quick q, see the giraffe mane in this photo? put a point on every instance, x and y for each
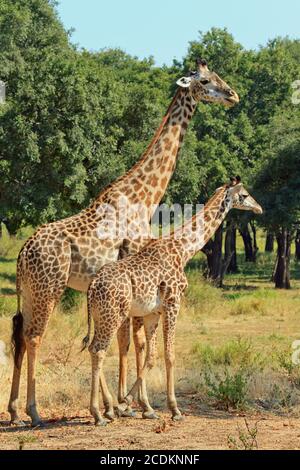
(207, 207)
(212, 200)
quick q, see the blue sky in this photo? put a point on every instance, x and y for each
(163, 28)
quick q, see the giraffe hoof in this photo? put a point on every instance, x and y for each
(17, 422)
(150, 415)
(100, 422)
(178, 418)
(109, 415)
(128, 413)
(120, 409)
(38, 424)
(124, 411)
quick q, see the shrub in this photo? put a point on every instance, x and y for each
(282, 396)
(228, 390)
(246, 440)
(70, 300)
(292, 370)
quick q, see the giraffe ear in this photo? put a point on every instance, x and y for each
(236, 188)
(184, 82)
(219, 189)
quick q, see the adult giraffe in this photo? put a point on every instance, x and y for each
(69, 252)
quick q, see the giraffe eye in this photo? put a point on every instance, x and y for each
(204, 82)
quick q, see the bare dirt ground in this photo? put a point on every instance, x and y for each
(202, 429)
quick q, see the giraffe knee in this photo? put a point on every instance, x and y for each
(123, 335)
(139, 339)
(98, 349)
(124, 344)
(32, 341)
(170, 359)
(151, 362)
(94, 348)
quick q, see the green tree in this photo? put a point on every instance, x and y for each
(278, 182)
(74, 120)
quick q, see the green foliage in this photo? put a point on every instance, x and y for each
(292, 370)
(75, 120)
(68, 117)
(246, 439)
(71, 300)
(275, 68)
(228, 390)
(234, 353)
(225, 137)
(228, 370)
(278, 179)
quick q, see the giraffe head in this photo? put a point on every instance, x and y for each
(205, 85)
(237, 197)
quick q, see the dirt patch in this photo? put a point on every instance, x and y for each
(205, 429)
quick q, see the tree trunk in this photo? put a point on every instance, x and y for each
(231, 233)
(213, 252)
(248, 243)
(229, 251)
(282, 272)
(274, 270)
(298, 245)
(255, 246)
(269, 248)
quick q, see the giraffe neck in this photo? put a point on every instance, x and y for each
(146, 182)
(194, 235)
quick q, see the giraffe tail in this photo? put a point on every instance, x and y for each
(17, 321)
(86, 340)
(17, 337)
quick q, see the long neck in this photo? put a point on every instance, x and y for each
(147, 181)
(194, 235)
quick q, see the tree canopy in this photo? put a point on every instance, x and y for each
(75, 120)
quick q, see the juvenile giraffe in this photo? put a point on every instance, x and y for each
(150, 284)
(69, 252)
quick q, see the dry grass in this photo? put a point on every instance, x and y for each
(247, 326)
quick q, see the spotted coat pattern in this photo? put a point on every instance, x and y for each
(69, 252)
(150, 284)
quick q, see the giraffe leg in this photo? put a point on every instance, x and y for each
(34, 329)
(32, 346)
(150, 324)
(43, 275)
(169, 325)
(14, 394)
(97, 360)
(98, 349)
(107, 399)
(140, 343)
(124, 342)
